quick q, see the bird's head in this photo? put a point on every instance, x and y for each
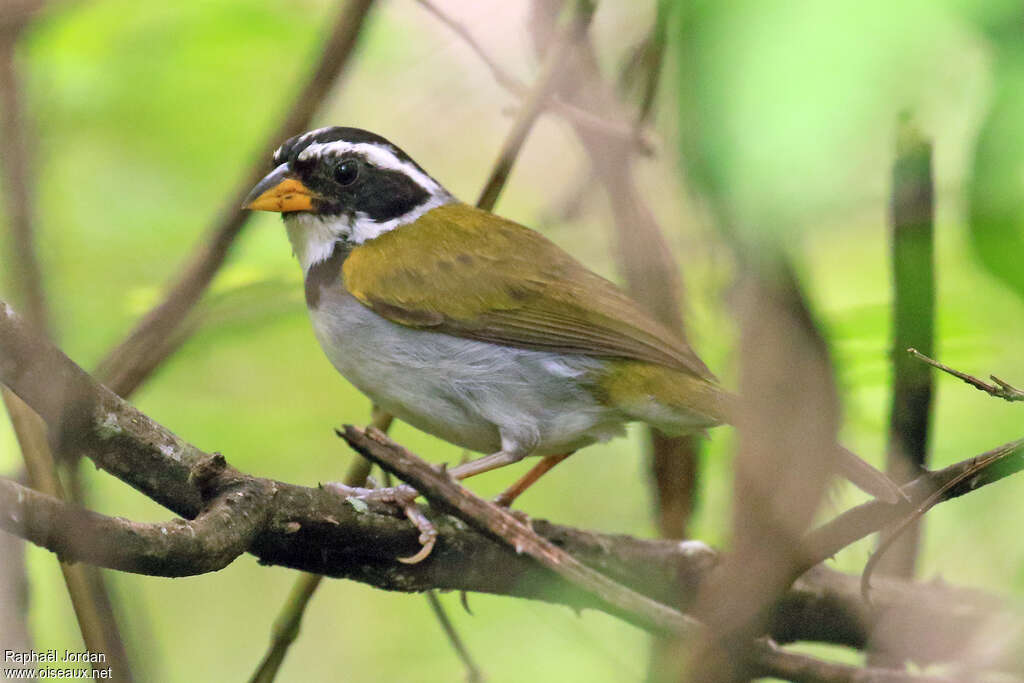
(343, 185)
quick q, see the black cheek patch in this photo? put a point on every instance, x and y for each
(383, 195)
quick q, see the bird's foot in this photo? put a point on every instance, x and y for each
(404, 498)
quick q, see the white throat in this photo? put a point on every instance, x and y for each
(313, 237)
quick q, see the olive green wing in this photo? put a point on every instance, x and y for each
(468, 273)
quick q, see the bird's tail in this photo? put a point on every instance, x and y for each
(679, 403)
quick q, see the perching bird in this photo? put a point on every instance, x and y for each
(474, 328)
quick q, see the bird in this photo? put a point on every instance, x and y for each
(474, 328)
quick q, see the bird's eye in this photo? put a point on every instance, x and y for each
(346, 172)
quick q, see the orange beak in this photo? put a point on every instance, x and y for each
(280, 191)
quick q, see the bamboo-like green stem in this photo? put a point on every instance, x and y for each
(912, 209)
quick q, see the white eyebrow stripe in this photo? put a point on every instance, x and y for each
(302, 138)
(378, 156)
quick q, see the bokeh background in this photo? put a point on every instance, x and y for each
(143, 116)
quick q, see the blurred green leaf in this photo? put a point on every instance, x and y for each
(784, 103)
(996, 191)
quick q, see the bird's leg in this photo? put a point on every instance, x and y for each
(404, 494)
(517, 489)
(485, 464)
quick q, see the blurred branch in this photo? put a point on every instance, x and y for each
(315, 530)
(912, 216)
(134, 359)
(24, 271)
(14, 596)
(645, 64)
(643, 256)
(787, 423)
(953, 481)
(569, 36)
(86, 587)
(15, 14)
(767, 659)
(1000, 389)
(24, 279)
(570, 112)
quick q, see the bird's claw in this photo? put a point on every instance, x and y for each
(402, 497)
(428, 533)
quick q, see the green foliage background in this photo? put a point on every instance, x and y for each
(144, 115)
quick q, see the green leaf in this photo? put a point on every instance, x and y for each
(996, 191)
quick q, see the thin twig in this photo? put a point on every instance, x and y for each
(24, 271)
(126, 366)
(473, 672)
(894, 533)
(1001, 389)
(554, 66)
(516, 87)
(286, 626)
(966, 476)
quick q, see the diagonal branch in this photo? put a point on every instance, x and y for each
(954, 481)
(499, 522)
(577, 115)
(568, 37)
(131, 362)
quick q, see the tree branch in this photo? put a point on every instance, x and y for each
(499, 522)
(953, 481)
(316, 531)
(226, 528)
(823, 606)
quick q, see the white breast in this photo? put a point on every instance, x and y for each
(477, 395)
